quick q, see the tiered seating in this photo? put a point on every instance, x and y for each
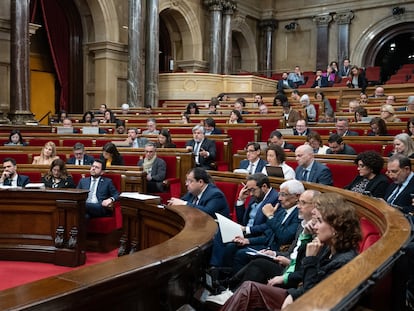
(373, 75)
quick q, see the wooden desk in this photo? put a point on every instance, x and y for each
(30, 220)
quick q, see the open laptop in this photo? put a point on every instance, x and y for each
(275, 171)
(64, 130)
(90, 130)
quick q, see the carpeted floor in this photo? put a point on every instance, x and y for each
(15, 273)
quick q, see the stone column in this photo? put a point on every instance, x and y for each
(152, 53)
(215, 7)
(19, 63)
(135, 83)
(228, 10)
(343, 20)
(268, 26)
(322, 40)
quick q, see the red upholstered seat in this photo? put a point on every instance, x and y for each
(342, 174)
(21, 158)
(240, 138)
(104, 231)
(230, 191)
(172, 182)
(370, 234)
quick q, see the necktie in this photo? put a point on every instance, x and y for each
(197, 148)
(394, 195)
(79, 162)
(92, 191)
(195, 200)
(251, 170)
(305, 175)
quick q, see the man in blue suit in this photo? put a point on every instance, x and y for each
(282, 223)
(203, 194)
(102, 192)
(252, 219)
(399, 192)
(9, 177)
(79, 156)
(253, 164)
(310, 170)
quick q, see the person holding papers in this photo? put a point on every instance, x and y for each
(285, 268)
(282, 224)
(203, 194)
(251, 219)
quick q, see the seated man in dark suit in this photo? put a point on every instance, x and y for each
(399, 192)
(204, 149)
(310, 170)
(301, 128)
(276, 138)
(102, 192)
(210, 127)
(155, 168)
(253, 221)
(80, 157)
(342, 128)
(253, 163)
(338, 146)
(203, 194)
(284, 83)
(9, 177)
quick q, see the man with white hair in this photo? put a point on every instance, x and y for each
(125, 108)
(204, 149)
(309, 170)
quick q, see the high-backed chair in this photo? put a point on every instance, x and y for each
(103, 233)
(172, 182)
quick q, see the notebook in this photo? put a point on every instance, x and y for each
(275, 171)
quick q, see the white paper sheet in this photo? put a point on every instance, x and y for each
(229, 229)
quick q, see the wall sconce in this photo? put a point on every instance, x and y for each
(398, 11)
(291, 26)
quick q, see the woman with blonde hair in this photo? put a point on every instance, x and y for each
(47, 155)
(387, 113)
(403, 144)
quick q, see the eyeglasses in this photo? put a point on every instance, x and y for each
(284, 194)
(252, 189)
(250, 150)
(149, 151)
(302, 202)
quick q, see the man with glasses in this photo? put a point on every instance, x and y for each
(204, 149)
(399, 192)
(155, 168)
(342, 128)
(253, 164)
(202, 194)
(252, 219)
(301, 128)
(282, 224)
(79, 156)
(285, 270)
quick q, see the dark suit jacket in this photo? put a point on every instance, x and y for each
(259, 224)
(208, 145)
(324, 82)
(63, 183)
(22, 181)
(158, 172)
(87, 160)
(281, 86)
(404, 198)
(119, 161)
(307, 132)
(344, 72)
(376, 186)
(244, 164)
(278, 233)
(212, 201)
(289, 146)
(216, 131)
(319, 174)
(105, 188)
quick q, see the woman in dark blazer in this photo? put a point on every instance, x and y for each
(111, 156)
(58, 176)
(370, 180)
